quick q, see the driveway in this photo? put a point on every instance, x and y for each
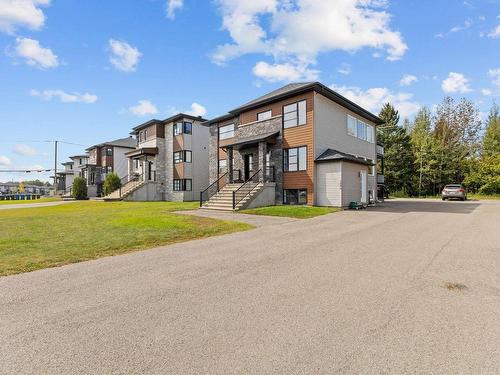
(356, 292)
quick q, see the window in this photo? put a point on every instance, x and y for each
(183, 128)
(81, 161)
(295, 196)
(145, 135)
(109, 151)
(295, 159)
(183, 185)
(264, 115)
(370, 134)
(226, 132)
(136, 163)
(361, 130)
(351, 125)
(222, 166)
(109, 169)
(178, 128)
(294, 114)
(183, 156)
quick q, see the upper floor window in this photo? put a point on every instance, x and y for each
(359, 129)
(109, 151)
(183, 128)
(264, 115)
(145, 134)
(184, 156)
(226, 132)
(295, 159)
(294, 114)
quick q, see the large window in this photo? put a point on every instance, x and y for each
(109, 151)
(264, 115)
(183, 184)
(295, 159)
(183, 128)
(226, 132)
(184, 156)
(294, 114)
(359, 129)
(295, 196)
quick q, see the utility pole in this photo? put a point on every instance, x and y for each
(55, 166)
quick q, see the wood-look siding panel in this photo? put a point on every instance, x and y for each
(178, 143)
(222, 154)
(179, 171)
(298, 136)
(277, 108)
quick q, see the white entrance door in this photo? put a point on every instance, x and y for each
(364, 184)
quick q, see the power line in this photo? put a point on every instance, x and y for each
(25, 170)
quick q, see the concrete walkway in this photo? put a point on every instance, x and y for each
(32, 205)
(411, 287)
(255, 220)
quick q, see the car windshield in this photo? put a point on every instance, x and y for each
(453, 186)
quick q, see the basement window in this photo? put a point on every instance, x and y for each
(295, 196)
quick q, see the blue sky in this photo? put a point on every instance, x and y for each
(88, 71)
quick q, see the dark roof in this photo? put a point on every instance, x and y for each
(227, 116)
(293, 89)
(251, 140)
(334, 155)
(128, 142)
(142, 151)
(67, 163)
(167, 120)
(79, 156)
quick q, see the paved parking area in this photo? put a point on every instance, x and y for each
(408, 287)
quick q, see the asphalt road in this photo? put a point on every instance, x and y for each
(357, 292)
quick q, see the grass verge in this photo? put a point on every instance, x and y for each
(41, 200)
(42, 237)
(298, 212)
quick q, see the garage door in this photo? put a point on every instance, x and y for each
(328, 178)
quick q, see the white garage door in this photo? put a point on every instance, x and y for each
(328, 179)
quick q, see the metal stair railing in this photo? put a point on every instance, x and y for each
(245, 189)
(212, 189)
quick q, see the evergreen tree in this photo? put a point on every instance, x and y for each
(398, 156)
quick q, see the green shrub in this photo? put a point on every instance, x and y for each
(111, 183)
(79, 190)
(491, 187)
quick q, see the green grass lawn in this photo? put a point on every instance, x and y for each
(41, 200)
(298, 212)
(35, 238)
(483, 197)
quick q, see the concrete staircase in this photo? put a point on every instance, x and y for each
(223, 200)
(126, 189)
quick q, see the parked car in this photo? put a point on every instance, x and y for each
(454, 191)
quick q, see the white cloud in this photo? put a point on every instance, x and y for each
(173, 6)
(4, 161)
(486, 92)
(495, 33)
(455, 29)
(21, 13)
(284, 29)
(35, 54)
(197, 110)
(407, 80)
(495, 76)
(65, 97)
(124, 57)
(25, 150)
(456, 82)
(284, 72)
(144, 107)
(374, 98)
(344, 69)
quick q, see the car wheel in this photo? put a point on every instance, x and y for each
(443, 198)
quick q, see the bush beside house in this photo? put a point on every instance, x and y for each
(111, 183)
(79, 190)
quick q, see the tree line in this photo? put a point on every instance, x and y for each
(449, 144)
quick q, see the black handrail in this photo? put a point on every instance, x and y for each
(241, 190)
(212, 189)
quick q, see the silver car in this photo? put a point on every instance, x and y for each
(454, 191)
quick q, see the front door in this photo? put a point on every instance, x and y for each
(364, 187)
(248, 166)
